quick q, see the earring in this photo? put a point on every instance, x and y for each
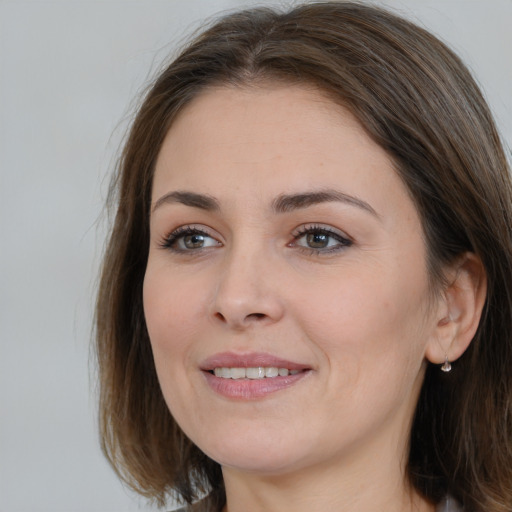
(446, 367)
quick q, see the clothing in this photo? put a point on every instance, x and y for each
(447, 505)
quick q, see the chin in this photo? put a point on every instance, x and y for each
(258, 452)
(254, 462)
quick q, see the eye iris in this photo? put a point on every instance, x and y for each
(317, 240)
(195, 241)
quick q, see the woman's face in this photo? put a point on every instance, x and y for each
(284, 243)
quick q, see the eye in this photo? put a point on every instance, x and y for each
(188, 239)
(320, 239)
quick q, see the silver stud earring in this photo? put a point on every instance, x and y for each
(446, 367)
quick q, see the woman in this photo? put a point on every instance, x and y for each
(305, 298)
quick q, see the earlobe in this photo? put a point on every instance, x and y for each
(459, 311)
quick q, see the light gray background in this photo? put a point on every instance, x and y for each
(69, 71)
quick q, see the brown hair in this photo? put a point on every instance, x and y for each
(415, 99)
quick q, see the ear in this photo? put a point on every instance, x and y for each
(459, 310)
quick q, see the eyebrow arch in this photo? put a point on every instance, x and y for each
(289, 202)
(201, 201)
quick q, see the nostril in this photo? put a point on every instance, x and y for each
(256, 316)
(220, 316)
(241, 320)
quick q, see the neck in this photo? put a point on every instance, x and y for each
(296, 494)
(363, 484)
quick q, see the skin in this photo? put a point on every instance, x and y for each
(361, 316)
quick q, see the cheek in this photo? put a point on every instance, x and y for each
(375, 351)
(171, 311)
(368, 325)
(171, 314)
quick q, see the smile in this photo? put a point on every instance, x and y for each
(254, 373)
(251, 376)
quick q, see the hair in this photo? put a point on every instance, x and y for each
(416, 99)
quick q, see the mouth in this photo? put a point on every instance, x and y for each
(251, 376)
(253, 373)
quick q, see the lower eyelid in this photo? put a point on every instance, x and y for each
(342, 241)
(172, 240)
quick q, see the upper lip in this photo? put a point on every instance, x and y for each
(249, 360)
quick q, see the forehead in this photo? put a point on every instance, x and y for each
(291, 112)
(270, 123)
(262, 141)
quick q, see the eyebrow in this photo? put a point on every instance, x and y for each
(289, 202)
(201, 201)
(284, 203)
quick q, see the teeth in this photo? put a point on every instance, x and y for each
(238, 373)
(253, 373)
(274, 372)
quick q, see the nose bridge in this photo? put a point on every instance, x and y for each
(246, 291)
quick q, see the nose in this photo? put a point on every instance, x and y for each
(247, 292)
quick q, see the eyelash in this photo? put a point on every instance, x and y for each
(170, 241)
(343, 242)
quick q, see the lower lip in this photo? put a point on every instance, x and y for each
(250, 389)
